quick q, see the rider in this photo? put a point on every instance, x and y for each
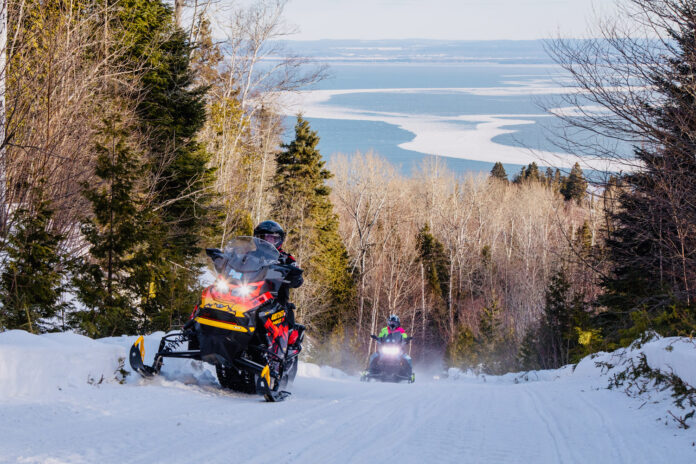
(273, 233)
(393, 326)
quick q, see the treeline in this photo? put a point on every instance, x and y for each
(465, 262)
(132, 142)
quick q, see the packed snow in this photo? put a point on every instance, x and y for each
(65, 398)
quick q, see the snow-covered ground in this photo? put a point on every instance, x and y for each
(64, 399)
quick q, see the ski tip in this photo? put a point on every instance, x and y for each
(276, 397)
(140, 344)
(266, 375)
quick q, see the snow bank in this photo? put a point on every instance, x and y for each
(187, 371)
(457, 375)
(40, 365)
(316, 371)
(32, 365)
(670, 355)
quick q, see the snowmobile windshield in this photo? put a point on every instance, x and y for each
(248, 254)
(394, 337)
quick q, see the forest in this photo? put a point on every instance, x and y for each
(134, 138)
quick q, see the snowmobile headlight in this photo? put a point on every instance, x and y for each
(222, 286)
(391, 350)
(242, 290)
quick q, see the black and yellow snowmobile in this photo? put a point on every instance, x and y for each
(238, 326)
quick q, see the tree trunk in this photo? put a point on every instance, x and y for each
(178, 7)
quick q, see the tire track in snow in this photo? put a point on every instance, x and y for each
(561, 449)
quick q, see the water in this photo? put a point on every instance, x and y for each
(430, 75)
(498, 90)
(348, 137)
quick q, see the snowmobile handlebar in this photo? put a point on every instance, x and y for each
(406, 339)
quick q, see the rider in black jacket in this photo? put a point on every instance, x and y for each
(273, 233)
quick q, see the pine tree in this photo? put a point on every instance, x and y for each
(206, 56)
(558, 179)
(530, 173)
(431, 253)
(564, 318)
(548, 178)
(32, 283)
(652, 239)
(302, 205)
(170, 111)
(489, 326)
(575, 186)
(498, 172)
(494, 343)
(112, 281)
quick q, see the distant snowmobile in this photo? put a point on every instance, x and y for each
(238, 325)
(391, 364)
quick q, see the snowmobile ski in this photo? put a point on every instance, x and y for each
(137, 356)
(167, 349)
(269, 394)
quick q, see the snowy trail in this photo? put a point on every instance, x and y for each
(337, 420)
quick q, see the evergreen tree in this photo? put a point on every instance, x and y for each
(112, 281)
(170, 111)
(498, 172)
(530, 173)
(563, 321)
(575, 186)
(31, 285)
(431, 253)
(462, 352)
(652, 283)
(548, 178)
(302, 205)
(489, 326)
(558, 179)
(493, 343)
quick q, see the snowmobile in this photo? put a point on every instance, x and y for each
(238, 326)
(391, 364)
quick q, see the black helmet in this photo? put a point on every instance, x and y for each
(271, 232)
(393, 322)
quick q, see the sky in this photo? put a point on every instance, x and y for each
(443, 19)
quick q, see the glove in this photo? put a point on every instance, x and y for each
(295, 277)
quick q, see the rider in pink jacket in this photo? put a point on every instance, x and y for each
(393, 325)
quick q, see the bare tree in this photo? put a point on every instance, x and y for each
(255, 70)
